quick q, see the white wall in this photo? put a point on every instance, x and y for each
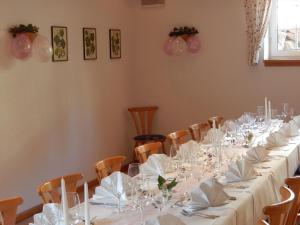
(59, 118)
(190, 88)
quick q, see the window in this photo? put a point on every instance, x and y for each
(283, 38)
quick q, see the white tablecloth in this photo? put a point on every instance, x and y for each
(246, 210)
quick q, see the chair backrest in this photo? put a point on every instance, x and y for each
(219, 121)
(278, 213)
(199, 130)
(106, 166)
(144, 151)
(143, 117)
(8, 210)
(50, 190)
(294, 185)
(178, 137)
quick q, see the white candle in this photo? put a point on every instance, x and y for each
(214, 123)
(86, 205)
(270, 111)
(64, 202)
(266, 108)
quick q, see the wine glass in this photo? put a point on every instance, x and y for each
(74, 207)
(133, 172)
(285, 112)
(133, 169)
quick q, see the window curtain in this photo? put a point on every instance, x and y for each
(257, 19)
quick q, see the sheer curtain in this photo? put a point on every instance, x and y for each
(257, 19)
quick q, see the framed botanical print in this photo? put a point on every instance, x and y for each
(115, 43)
(59, 37)
(89, 43)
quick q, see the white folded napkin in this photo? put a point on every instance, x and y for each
(240, 170)
(297, 120)
(167, 219)
(187, 150)
(276, 139)
(111, 186)
(289, 129)
(191, 145)
(213, 135)
(155, 165)
(210, 193)
(256, 154)
(229, 125)
(246, 118)
(50, 215)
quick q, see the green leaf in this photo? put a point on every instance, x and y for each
(172, 184)
(161, 182)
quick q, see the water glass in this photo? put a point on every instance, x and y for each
(285, 109)
(292, 113)
(74, 207)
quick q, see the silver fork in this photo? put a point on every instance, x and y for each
(197, 213)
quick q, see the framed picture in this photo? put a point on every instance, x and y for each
(89, 43)
(115, 43)
(59, 37)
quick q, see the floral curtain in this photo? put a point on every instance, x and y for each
(257, 19)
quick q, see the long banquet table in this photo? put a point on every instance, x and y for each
(251, 196)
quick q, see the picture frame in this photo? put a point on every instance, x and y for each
(89, 43)
(115, 43)
(59, 38)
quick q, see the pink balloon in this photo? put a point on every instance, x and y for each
(168, 47)
(193, 44)
(179, 46)
(41, 49)
(20, 46)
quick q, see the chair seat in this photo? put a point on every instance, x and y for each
(150, 137)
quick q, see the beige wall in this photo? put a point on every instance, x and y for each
(189, 88)
(58, 118)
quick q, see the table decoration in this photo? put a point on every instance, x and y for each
(240, 170)
(86, 205)
(209, 193)
(289, 129)
(155, 165)
(276, 139)
(50, 215)
(64, 203)
(297, 120)
(256, 154)
(113, 191)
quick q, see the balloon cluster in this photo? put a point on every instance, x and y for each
(25, 44)
(182, 39)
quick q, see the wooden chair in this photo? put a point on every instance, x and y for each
(219, 121)
(143, 117)
(294, 185)
(278, 213)
(8, 210)
(178, 137)
(49, 191)
(106, 166)
(199, 130)
(144, 151)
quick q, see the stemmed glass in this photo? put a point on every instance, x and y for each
(133, 172)
(74, 207)
(285, 112)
